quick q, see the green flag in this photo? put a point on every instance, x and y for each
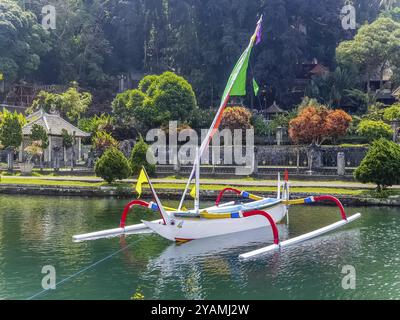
(236, 85)
(237, 79)
(255, 87)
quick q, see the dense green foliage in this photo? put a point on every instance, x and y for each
(102, 141)
(260, 126)
(139, 158)
(373, 48)
(125, 106)
(95, 41)
(112, 165)
(330, 89)
(94, 124)
(22, 41)
(381, 165)
(168, 97)
(67, 139)
(392, 113)
(10, 130)
(38, 133)
(71, 103)
(374, 130)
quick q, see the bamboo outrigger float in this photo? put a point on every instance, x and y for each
(249, 213)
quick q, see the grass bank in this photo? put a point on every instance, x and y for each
(212, 185)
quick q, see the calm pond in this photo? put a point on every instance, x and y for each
(37, 231)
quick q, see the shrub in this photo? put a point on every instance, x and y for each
(201, 118)
(112, 165)
(102, 141)
(282, 120)
(138, 158)
(381, 165)
(67, 139)
(374, 130)
(260, 127)
(38, 133)
(392, 113)
(236, 118)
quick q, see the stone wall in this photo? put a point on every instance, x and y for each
(289, 155)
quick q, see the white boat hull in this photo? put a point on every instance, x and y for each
(186, 229)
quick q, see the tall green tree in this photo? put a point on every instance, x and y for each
(10, 134)
(22, 41)
(168, 97)
(71, 103)
(38, 133)
(373, 48)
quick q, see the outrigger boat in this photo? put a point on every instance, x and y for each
(249, 213)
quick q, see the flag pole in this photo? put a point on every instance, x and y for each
(197, 198)
(218, 117)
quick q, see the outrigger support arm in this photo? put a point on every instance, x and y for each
(238, 192)
(269, 218)
(128, 207)
(316, 199)
(243, 194)
(335, 200)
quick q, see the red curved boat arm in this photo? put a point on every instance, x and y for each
(222, 193)
(269, 218)
(128, 207)
(336, 200)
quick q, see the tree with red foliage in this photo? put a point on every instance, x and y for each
(314, 125)
(236, 118)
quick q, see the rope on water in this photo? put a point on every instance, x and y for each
(83, 270)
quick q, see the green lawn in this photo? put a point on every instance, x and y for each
(45, 182)
(347, 189)
(265, 189)
(174, 186)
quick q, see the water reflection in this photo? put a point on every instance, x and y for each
(217, 258)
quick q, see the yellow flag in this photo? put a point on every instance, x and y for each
(193, 192)
(142, 178)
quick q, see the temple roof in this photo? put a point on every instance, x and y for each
(275, 109)
(53, 124)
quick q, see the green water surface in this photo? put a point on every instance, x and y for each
(37, 231)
